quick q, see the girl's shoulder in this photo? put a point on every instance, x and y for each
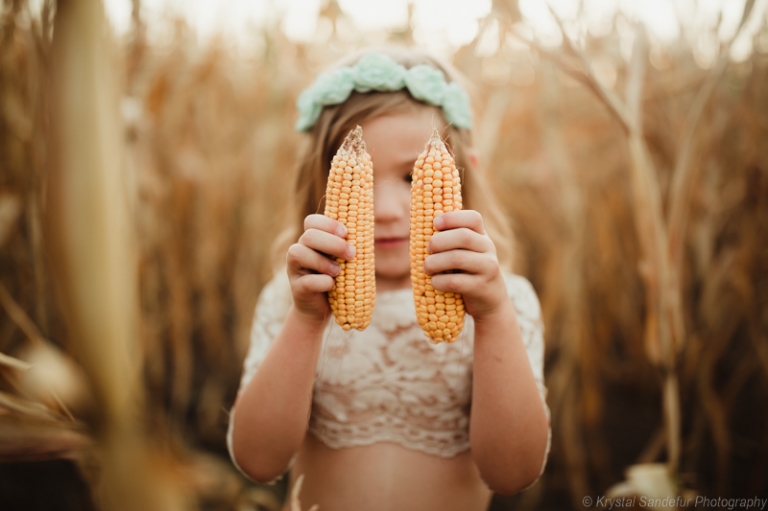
(275, 298)
(519, 286)
(521, 290)
(527, 306)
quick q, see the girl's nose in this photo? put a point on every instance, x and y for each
(391, 201)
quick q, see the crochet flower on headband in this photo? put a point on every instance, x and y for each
(377, 72)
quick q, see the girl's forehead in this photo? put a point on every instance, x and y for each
(401, 135)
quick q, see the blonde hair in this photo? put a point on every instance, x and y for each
(325, 137)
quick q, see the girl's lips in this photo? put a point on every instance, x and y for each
(390, 242)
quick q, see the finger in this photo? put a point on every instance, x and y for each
(465, 218)
(327, 243)
(459, 260)
(314, 283)
(455, 283)
(302, 259)
(324, 223)
(460, 238)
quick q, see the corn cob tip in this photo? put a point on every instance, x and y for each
(354, 143)
(436, 141)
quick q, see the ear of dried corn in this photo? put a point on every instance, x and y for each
(435, 189)
(349, 199)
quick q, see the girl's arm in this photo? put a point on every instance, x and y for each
(508, 424)
(271, 413)
(509, 427)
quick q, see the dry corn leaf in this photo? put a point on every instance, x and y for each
(26, 438)
(10, 210)
(295, 503)
(15, 363)
(53, 378)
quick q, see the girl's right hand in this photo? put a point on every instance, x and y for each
(312, 266)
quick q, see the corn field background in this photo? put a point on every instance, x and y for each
(636, 179)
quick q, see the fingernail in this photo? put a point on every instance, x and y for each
(341, 230)
(438, 222)
(351, 251)
(335, 268)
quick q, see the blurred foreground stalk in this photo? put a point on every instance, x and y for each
(93, 256)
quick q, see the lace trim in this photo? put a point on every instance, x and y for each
(388, 383)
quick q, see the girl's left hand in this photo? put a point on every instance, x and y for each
(463, 260)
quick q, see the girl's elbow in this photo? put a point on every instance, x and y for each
(265, 476)
(524, 478)
(512, 477)
(259, 469)
(256, 460)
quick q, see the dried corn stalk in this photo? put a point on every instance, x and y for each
(435, 189)
(349, 199)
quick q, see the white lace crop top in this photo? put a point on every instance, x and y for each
(388, 383)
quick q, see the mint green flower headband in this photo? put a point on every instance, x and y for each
(379, 72)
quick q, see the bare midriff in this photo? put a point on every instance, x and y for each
(386, 477)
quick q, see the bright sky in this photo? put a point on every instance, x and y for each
(444, 25)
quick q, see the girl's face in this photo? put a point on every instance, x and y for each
(394, 143)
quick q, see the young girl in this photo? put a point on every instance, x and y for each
(383, 419)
